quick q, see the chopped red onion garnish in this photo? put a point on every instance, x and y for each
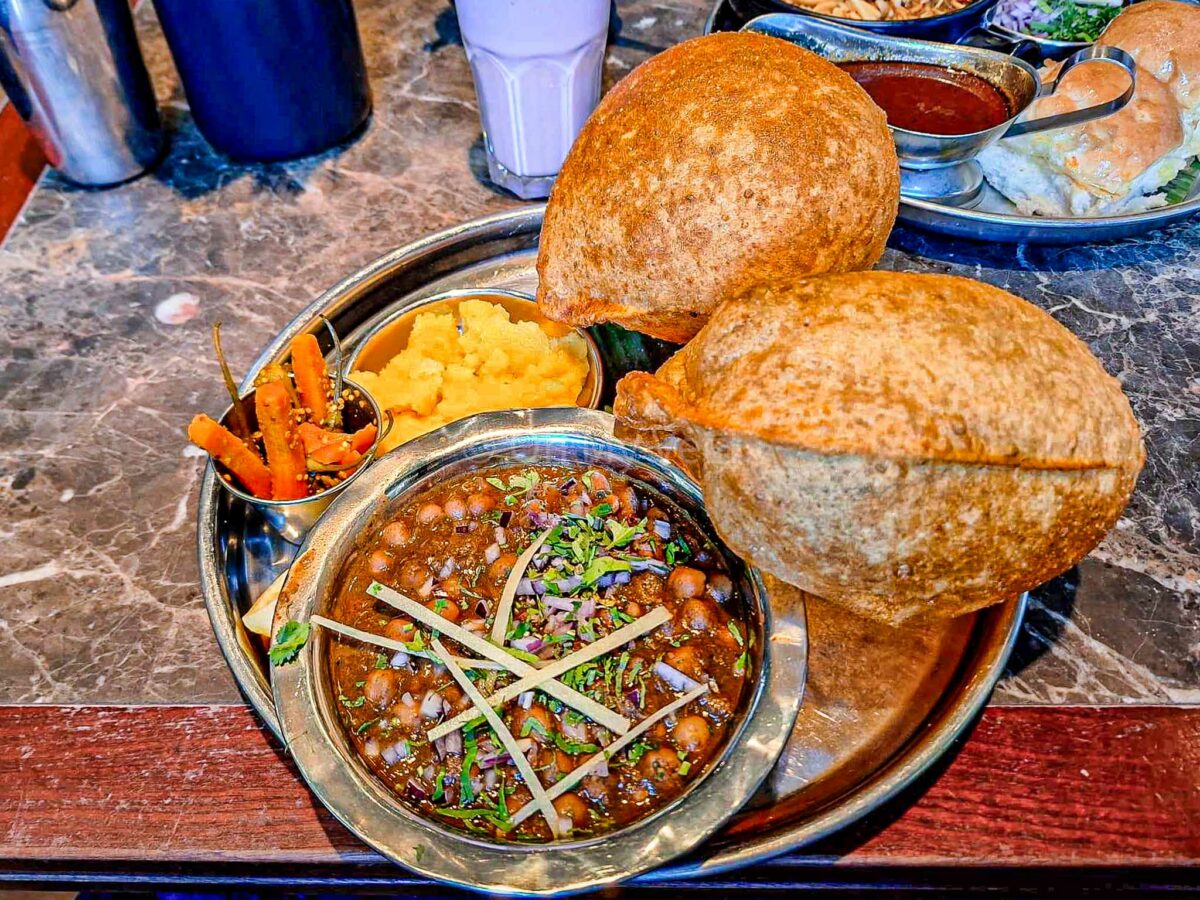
(454, 744)
(559, 603)
(587, 608)
(576, 731)
(427, 588)
(490, 779)
(447, 569)
(650, 565)
(407, 699)
(393, 754)
(491, 554)
(601, 768)
(399, 660)
(525, 588)
(622, 577)
(482, 609)
(663, 529)
(525, 700)
(439, 746)
(570, 583)
(676, 679)
(417, 789)
(530, 643)
(431, 706)
(501, 537)
(505, 518)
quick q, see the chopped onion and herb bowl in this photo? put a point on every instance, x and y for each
(599, 622)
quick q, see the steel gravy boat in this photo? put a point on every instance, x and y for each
(922, 154)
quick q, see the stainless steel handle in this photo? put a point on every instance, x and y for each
(1095, 53)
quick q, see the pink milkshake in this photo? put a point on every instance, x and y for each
(537, 67)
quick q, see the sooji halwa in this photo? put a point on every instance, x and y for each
(470, 361)
(596, 556)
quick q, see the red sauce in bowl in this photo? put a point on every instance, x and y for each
(931, 99)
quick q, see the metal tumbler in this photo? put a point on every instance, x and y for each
(73, 71)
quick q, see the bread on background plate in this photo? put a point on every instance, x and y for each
(1120, 163)
(903, 445)
(720, 163)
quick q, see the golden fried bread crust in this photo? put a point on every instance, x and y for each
(723, 162)
(901, 444)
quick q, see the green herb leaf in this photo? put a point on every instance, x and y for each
(439, 786)
(743, 663)
(637, 751)
(291, 637)
(601, 566)
(620, 535)
(737, 635)
(352, 704)
(365, 725)
(533, 724)
(685, 767)
(381, 661)
(467, 793)
(497, 484)
(574, 748)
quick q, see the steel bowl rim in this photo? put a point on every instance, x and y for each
(594, 359)
(360, 802)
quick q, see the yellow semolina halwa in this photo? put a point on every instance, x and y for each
(446, 373)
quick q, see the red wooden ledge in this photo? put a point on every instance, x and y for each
(21, 164)
(1034, 786)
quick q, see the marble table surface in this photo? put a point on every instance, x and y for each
(106, 299)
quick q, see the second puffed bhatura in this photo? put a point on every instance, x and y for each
(900, 444)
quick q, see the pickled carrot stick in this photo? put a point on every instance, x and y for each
(362, 440)
(285, 455)
(230, 451)
(312, 378)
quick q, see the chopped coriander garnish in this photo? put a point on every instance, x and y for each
(365, 725)
(439, 785)
(381, 661)
(685, 767)
(573, 748)
(737, 634)
(352, 704)
(637, 751)
(743, 662)
(291, 637)
(467, 792)
(533, 724)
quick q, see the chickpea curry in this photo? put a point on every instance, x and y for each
(557, 567)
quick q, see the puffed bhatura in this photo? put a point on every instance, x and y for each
(904, 445)
(723, 162)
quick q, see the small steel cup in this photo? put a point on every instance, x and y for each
(293, 519)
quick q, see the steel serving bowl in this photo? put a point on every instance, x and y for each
(385, 336)
(333, 770)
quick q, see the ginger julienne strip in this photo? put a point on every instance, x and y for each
(597, 712)
(389, 644)
(581, 771)
(541, 677)
(504, 610)
(540, 800)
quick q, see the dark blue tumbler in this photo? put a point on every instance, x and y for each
(269, 79)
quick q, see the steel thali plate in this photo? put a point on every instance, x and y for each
(882, 704)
